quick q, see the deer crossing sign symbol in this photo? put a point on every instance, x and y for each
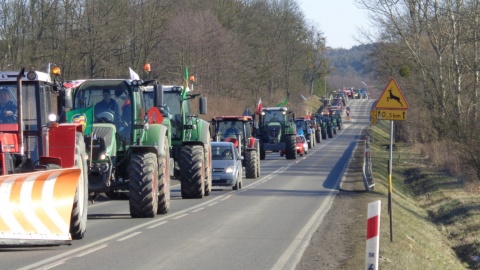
(392, 98)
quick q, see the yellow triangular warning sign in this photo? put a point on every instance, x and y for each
(392, 98)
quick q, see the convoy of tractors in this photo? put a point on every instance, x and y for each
(65, 143)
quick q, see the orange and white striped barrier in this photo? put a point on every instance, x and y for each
(373, 236)
(36, 208)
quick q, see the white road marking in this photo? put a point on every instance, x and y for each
(86, 252)
(156, 225)
(129, 236)
(212, 204)
(180, 216)
(199, 209)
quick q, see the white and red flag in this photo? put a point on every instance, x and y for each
(259, 106)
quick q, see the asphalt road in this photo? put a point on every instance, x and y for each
(266, 225)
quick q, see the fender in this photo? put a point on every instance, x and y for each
(154, 140)
(61, 143)
(251, 143)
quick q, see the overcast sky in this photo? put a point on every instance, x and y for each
(339, 20)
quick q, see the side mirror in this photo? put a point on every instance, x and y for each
(68, 100)
(241, 158)
(157, 95)
(203, 105)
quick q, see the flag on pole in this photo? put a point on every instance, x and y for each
(284, 103)
(133, 74)
(83, 116)
(259, 106)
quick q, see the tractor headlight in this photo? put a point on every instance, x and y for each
(103, 156)
(52, 117)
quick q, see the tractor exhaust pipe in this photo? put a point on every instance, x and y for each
(20, 111)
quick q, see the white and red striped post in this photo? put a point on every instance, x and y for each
(373, 235)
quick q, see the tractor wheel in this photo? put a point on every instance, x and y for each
(208, 171)
(143, 186)
(258, 165)
(78, 222)
(291, 147)
(164, 181)
(330, 132)
(334, 130)
(339, 126)
(192, 172)
(262, 153)
(309, 140)
(251, 164)
(324, 134)
(318, 138)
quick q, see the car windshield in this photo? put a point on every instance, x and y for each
(299, 140)
(222, 152)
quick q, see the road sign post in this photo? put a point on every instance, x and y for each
(391, 106)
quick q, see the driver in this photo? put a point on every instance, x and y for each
(107, 104)
(232, 130)
(8, 108)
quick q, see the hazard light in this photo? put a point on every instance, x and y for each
(56, 71)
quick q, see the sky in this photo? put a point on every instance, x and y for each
(339, 20)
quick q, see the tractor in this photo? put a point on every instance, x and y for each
(277, 131)
(43, 164)
(307, 128)
(128, 154)
(322, 124)
(190, 136)
(238, 130)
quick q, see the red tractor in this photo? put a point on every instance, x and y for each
(43, 165)
(238, 130)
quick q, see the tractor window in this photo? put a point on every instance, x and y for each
(301, 125)
(172, 105)
(227, 129)
(274, 116)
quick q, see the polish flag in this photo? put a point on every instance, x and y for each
(259, 106)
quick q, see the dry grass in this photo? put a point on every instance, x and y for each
(435, 219)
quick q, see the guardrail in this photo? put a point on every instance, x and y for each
(367, 167)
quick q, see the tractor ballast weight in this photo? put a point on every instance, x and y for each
(128, 154)
(190, 137)
(238, 130)
(277, 131)
(43, 167)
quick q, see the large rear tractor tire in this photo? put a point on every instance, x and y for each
(251, 164)
(318, 137)
(324, 134)
(78, 222)
(143, 186)
(309, 140)
(291, 147)
(192, 172)
(208, 171)
(164, 181)
(330, 132)
(262, 153)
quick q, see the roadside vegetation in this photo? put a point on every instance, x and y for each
(435, 215)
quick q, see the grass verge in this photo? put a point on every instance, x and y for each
(435, 221)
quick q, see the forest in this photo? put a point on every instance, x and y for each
(241, 51)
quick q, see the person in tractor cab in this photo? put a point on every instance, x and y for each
(106, 104)
(274, 118)
(232, 131)
(8, 108)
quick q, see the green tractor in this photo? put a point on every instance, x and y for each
(277, 131)
(190, 137)
(322, 124)
(128, 155)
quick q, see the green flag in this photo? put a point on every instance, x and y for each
(83, 116)
(283, 103)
